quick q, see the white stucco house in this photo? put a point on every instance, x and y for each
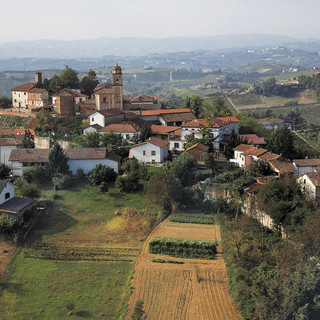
(105, 117)
(6, 145)
(306, 166)
(310, 184)
(154, 150)
(79, 158)
(126, 129)
(11, 206)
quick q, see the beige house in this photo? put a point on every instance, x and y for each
(310, 184)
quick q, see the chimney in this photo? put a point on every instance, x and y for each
(38, 77)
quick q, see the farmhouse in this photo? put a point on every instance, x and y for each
(306, 166)
(154, 150)
(28, 96)
(6, 145)
(310, 184)
(126, 129)
(11, 206)
(169, 133)
(78, 158)
(198, 151)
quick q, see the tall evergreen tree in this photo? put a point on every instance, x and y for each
(58, 161)
(28, 140)
(282, 142)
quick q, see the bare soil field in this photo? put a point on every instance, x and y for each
(195, 290)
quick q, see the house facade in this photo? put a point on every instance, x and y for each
(310, 184)
(306, 166)
(6, 146)
(78, 158)
(154, 150)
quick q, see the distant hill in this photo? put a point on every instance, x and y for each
(91, 48)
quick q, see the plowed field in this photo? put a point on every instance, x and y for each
(194, 290)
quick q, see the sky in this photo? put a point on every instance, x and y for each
(90, 19)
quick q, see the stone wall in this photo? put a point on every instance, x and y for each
(44, 143)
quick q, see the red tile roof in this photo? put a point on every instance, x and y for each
(9, 142)
(165, 130)
(143, 98)
(229, 119)
(200, 123)
(243, 147)
(200, 146)
(24, 87)
(256, 152)
(252, 138)
(314, 178)
(307, 162)
(163, 111)
(282, 165)
(22, 131)
(269, 156)
(41, 155)
(37, 90)
(155, 141)
(119, 127)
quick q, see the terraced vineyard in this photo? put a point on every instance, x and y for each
(196, 289)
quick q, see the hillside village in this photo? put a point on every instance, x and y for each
(179, 158)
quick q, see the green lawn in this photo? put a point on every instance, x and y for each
(84, 220)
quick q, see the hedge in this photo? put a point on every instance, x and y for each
(191, 219)
(182, 248)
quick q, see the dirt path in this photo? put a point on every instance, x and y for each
(233, 104)
(195, 290)
(6, 252)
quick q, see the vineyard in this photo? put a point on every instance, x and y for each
(188, 290)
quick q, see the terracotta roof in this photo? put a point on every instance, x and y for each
(165, 130)
(119, 127)
(9, 142)
(178, 117)
(255, 152)
(243, 147)
(22, 131)
(37, 90)
(269, 156)
(41, 155)
(6, 131)
(199, 123)
(75, 93)
(229, 119)
(307, 162)
(200, 146)
(24, 87)
(282, 165)
(163, 111)
(155, 141)
(252, 138)
(142, 98)
(252, 188)
(314, 178)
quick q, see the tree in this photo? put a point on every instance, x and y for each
(216, 107)
(28, 140)
(145, 133)
(165, 190)
(28, 190)
(89, 83)
(61, 181)
(37, 175)
(88, 140)
(5, 171)
(58, 161)
(128, 183)
(115, 143)
(5, 102)
(101, 173)
(281, 141)
(194, 103)
(69, 78)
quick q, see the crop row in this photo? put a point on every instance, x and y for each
(78, 253)
(182, 248)
(191, 219)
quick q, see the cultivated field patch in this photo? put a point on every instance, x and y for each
(196, 289)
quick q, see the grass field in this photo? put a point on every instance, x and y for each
(81, 219)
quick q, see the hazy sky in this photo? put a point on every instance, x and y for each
(88, 19)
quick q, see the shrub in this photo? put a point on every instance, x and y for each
(7, 225)
(29, 190)
(138, 312)
(37, 175)
(191, 219)
(104, 187)
(183, 248)
(5, 171)
(61, 181)
(135, 220)
(129, 183)
(101, 173)
(80, 173)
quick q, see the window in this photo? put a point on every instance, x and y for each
(80, 100)
(104, 99)
(153, 152)
(176, 145)
(7, 195)
(127, 136)
(144, 152)
(92, 119)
